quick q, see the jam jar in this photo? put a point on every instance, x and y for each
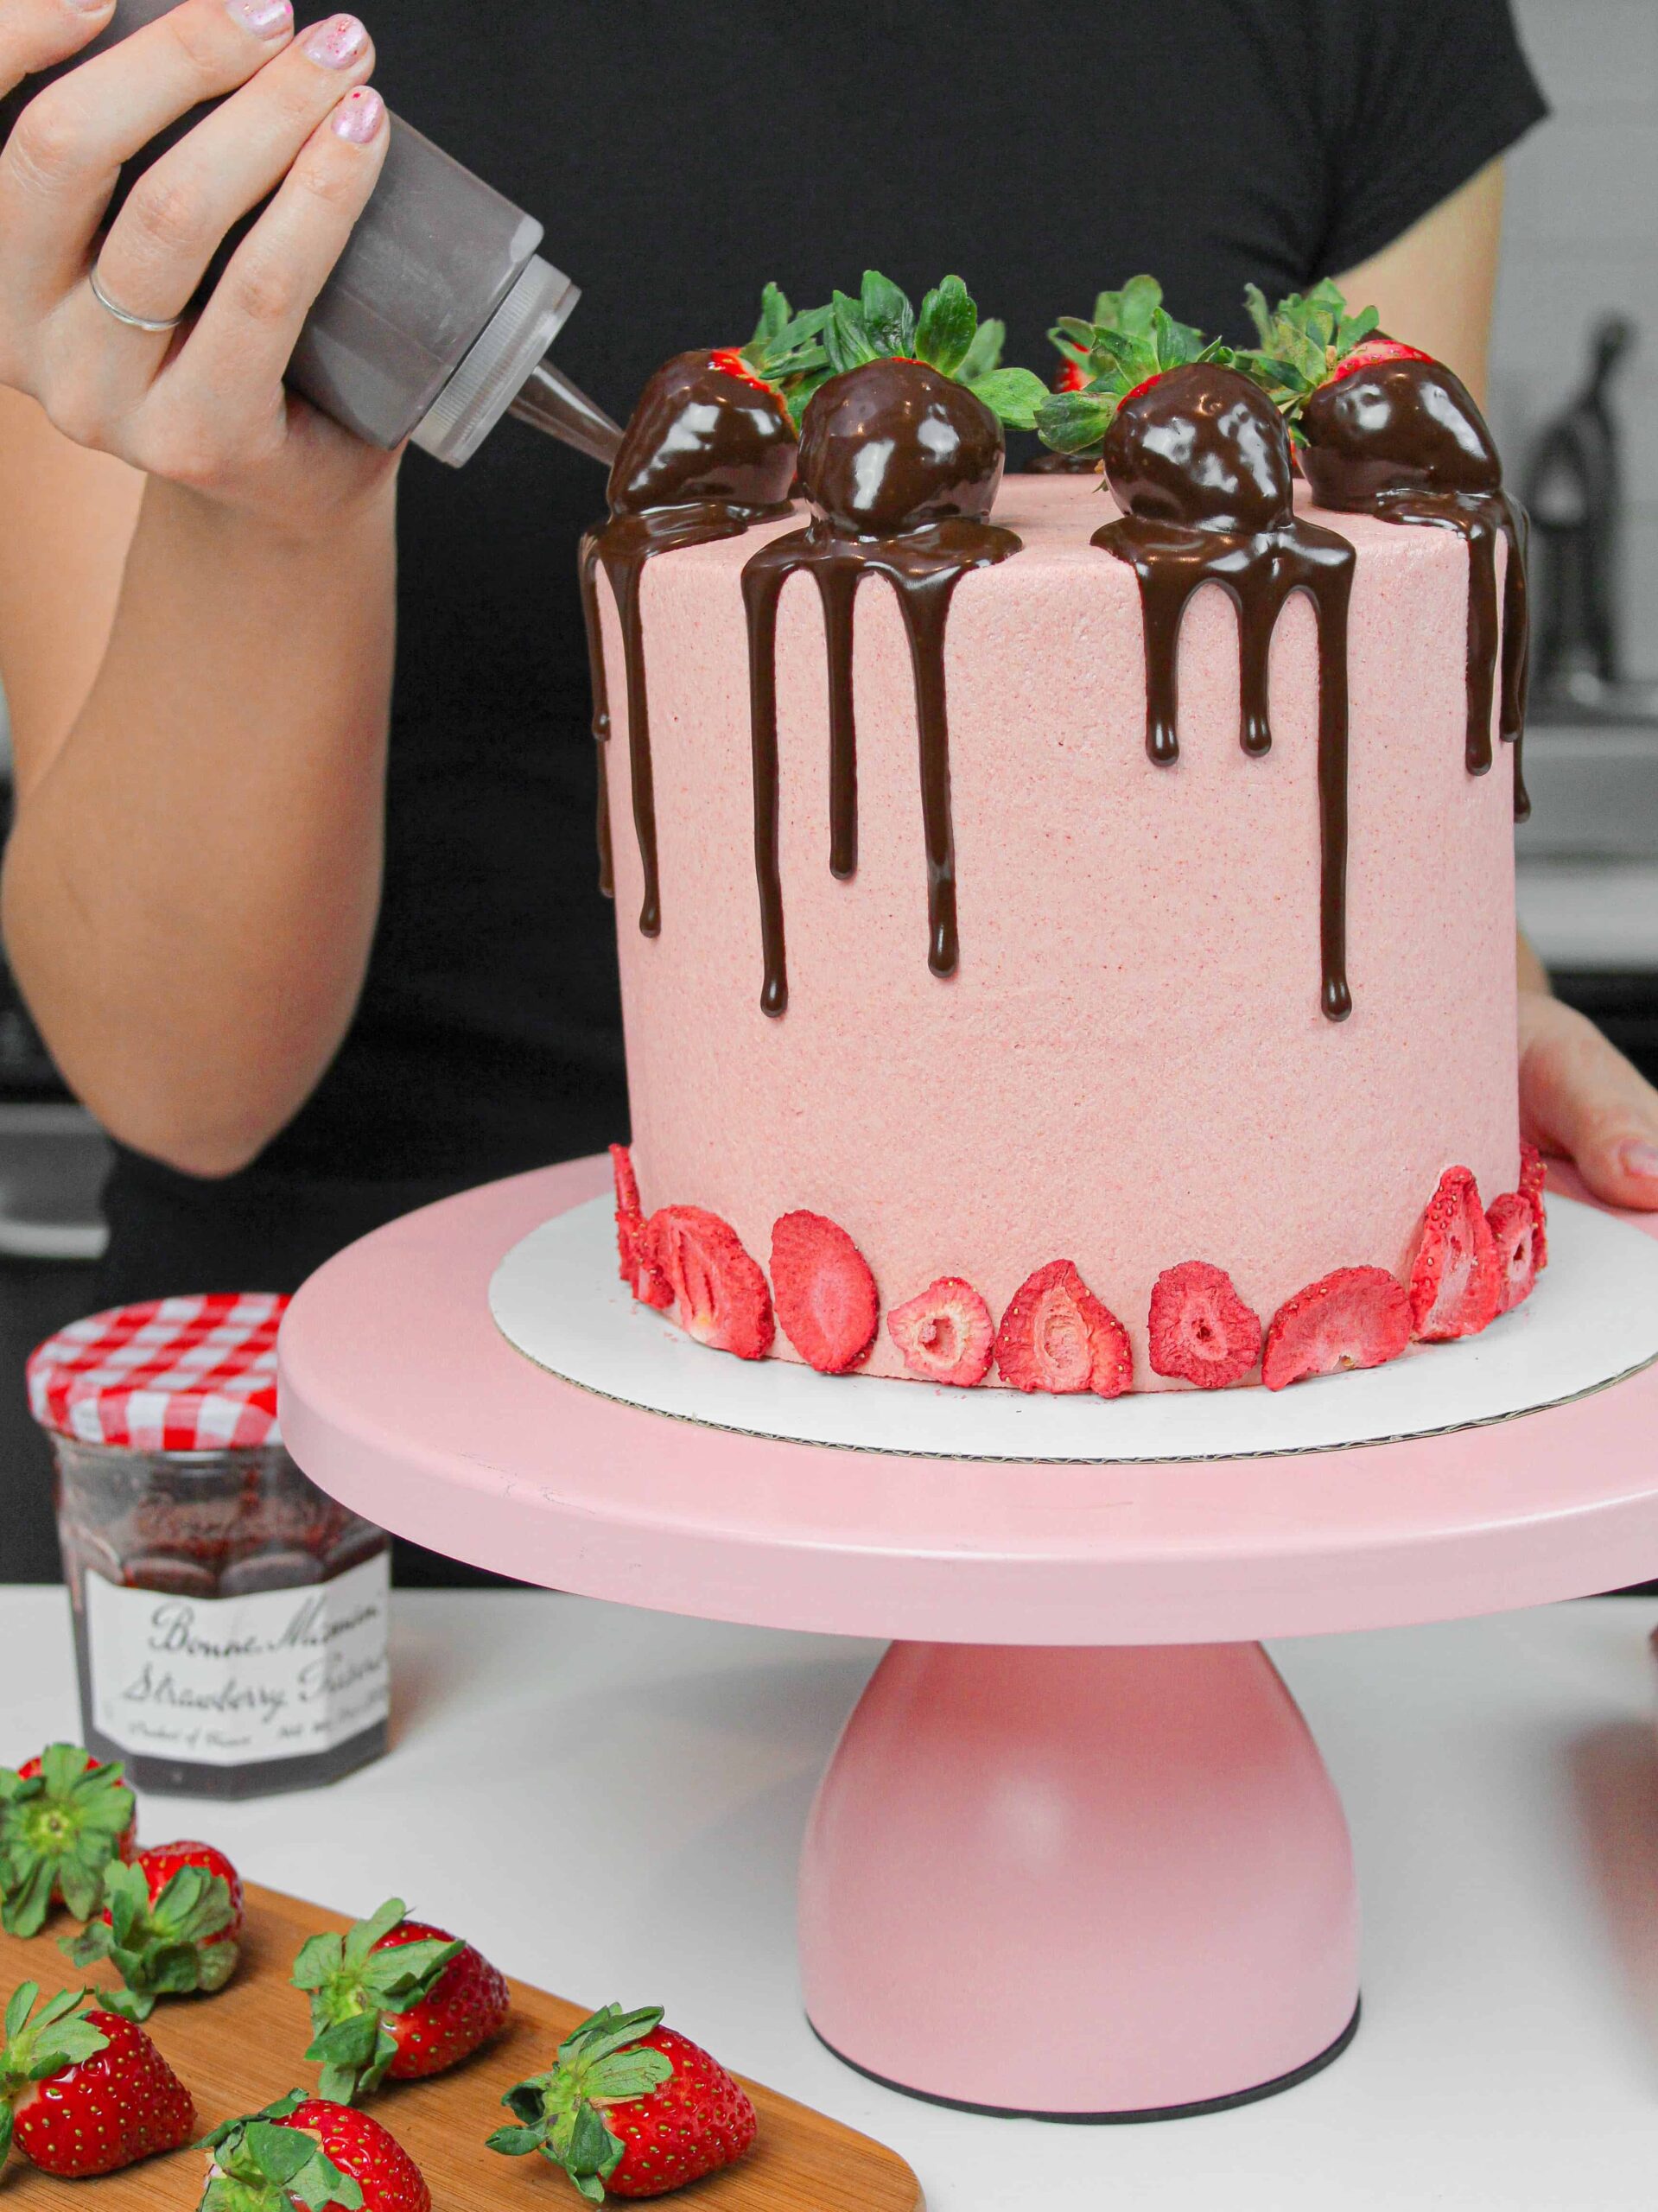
(230, 1619)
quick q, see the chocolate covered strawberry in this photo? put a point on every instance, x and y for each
(64, 1819)
(1358, 1317)
(395, 1999)
(907, 430)
(1201, 1331)
(824, 1293)
(171, 1925)
(1056, 1336)
(84, 2091)
(713, 427)
(1129, 344)
(946, 1334)
(719, 1292)
(307, 2154)
(1372, 417)
(630, 2109)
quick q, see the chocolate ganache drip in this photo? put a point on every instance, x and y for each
(901, 465)
(1401, 438)
(1200, 459)
(710, 450)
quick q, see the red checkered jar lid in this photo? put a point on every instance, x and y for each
(177, 1374)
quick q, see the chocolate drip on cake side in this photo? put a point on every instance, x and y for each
(1200, 460)
(1402, 439)
(902, 466)
(710, 450)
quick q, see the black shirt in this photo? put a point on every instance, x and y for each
(681, 152)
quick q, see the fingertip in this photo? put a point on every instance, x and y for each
(1637, 1165)
(360, 119)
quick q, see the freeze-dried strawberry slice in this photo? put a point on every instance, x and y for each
(719, 1290)
(1517, 1226)
(646, 1282)
(1057, 1336)
(946, 1335)
(1358, 1317)
(1456, 1287)
(827, 1303)
(1201, 1330)
(1534, 1174)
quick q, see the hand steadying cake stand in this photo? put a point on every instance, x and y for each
(1078, 1854)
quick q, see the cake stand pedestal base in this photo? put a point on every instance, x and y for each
(1104, 1885)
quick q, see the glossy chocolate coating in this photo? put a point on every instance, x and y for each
(701, 436)
(894, 446)
(1399, 426)
(1205, 448)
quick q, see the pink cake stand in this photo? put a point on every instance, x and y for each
(1076, 1856)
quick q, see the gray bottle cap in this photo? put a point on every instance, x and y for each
(500, 363)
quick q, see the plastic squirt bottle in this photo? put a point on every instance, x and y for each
(437, 318)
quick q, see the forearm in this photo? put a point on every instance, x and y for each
(191, 889)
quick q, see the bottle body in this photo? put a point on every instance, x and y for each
(437, 261)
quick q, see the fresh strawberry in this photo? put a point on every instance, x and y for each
(1517, 1226)
(83, 2091)
(395, 1999)
(171, 1924)
(827, 1303)
(1201, 1330)
(719, 1289)
(1456, 1286)
(1358, 1317)
(1057, 1336)
(64, 1818)
(630, 2108)
(1070, 376)
(946, 1335)
(305, 2154)
(647, 1282)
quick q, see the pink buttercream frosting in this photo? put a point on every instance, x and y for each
(1130, 1068)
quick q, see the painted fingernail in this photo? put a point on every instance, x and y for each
(358, 116)
(337, 43)
(1640, 1158)
(264, 18)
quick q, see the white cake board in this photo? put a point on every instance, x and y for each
(1591, 1320)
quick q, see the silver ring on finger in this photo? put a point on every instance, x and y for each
(126, 314)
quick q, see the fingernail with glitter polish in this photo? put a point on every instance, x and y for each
(358, 116)
(264, 18)
(1640, 1158)
(337, 43)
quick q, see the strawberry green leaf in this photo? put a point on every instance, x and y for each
(845, 341)
(514, 2142)
(776, 315)
(319, 1957)
(948, 328)
(20, 2006)
(888, 318)
(1074, 421)
(5, 2130)
(278, 2152)
(984, 354)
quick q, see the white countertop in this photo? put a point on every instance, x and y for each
(610, 1803)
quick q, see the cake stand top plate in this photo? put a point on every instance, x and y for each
(400, 1396)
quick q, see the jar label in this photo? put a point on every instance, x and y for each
(233, 1681)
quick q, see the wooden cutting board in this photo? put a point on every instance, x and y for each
(241, 2049)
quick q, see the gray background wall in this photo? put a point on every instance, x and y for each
(1581, 235)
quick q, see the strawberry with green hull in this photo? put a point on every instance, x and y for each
(1132, 340)
(171, 1926)
(395, 1999)
(84, 2091)
(64, 1819)
(630, 2109)
(307, 2154)
(1383, 428)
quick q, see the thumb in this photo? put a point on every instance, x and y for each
(1579, 1096)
